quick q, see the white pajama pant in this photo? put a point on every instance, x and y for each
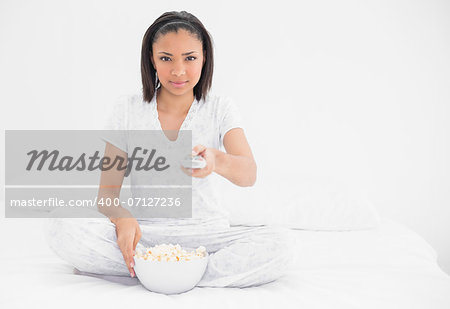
(240, 256)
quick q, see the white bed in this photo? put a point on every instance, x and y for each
(388, 267)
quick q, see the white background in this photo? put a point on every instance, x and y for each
(355, 90)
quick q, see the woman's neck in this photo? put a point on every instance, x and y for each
(174, 104)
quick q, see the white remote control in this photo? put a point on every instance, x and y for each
(193, 162)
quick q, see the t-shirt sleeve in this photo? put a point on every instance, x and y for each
(231, 118)
(115, 126)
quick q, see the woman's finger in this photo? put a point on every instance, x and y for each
(131, 261)
(187, 171)
(126, 252)
(200, 172)
(137, 237)
(198, 149)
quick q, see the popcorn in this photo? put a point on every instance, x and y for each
(170, 253)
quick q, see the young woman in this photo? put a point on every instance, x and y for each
(177, 68)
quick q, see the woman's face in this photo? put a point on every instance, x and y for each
(178, 60)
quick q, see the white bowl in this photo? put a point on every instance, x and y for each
(170, 277)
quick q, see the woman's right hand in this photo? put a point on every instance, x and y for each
(128, 235)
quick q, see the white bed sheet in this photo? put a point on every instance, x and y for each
(391, 267)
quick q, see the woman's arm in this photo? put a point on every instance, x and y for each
(237, 164)
(110, 184)
(127, 228)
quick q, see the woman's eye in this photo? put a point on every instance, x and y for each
(190, 58)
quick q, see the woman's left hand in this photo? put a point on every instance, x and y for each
(210, 157)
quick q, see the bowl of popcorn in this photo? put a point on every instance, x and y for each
(170, 269)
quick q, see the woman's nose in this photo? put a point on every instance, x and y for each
(178, 70)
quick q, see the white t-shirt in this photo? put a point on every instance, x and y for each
(209, 120)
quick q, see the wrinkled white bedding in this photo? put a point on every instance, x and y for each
(390, 267)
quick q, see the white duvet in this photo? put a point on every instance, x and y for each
(390, 267)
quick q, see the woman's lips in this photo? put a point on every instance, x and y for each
(178, 85)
